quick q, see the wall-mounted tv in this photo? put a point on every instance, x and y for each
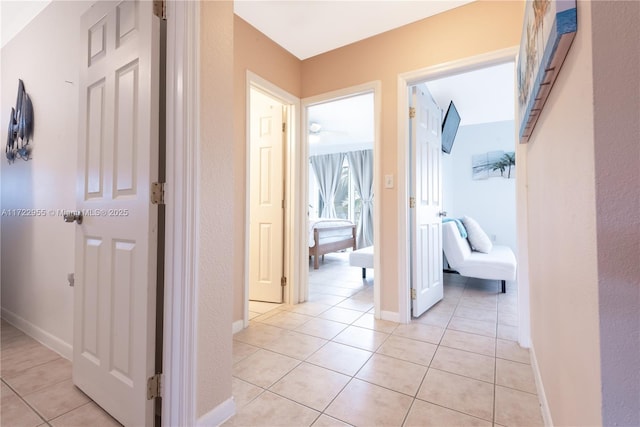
(450, 126)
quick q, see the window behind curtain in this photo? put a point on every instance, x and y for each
(347, 201)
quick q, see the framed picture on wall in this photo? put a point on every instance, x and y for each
(492, 164)
(548, 31)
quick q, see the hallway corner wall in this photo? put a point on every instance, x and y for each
(38, 251)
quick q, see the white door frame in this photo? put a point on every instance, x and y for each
(406, 80)
(181, 197)
(291, 252)
(374, 87)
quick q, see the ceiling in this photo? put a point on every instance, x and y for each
(345, 125)
(481, 96)
(308, 28)
(300, 26)
(15, 15)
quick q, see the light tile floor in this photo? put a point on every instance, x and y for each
(329, 362)
(256, 308)
(37, 389)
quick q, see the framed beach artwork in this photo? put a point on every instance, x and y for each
(548, 31)
(493, 164)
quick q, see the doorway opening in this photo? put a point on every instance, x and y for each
(342, 179)
(270, 247)
(267, 157)
(478, 136)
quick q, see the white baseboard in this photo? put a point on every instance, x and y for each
(391, 316)
(219, 414)
(61, 347)
(237, 326)
(542, 397)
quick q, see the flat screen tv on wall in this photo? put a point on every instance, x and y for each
(450, 126)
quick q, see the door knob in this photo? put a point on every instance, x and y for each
(73, 216)
(442, 213)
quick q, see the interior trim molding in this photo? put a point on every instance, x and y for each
(237, 326)
(47, 339)
(218, 415)
(181, 196)
(542, 397)
(522, 256)
(391, 316)
(404, 82)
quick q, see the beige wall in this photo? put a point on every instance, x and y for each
(38, 252)
(583, 166)
(255, 52)
(470, 30)
(569, 185)
(616, 76)
(562, 240)
(581, 171)
(217, 208)
(474, 29)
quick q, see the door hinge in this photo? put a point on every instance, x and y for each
(412, 202)
(283, 281)
(412, 112)
(160, 9)
(157, 193)
(154, 386)
(284, 127)
(413, 293)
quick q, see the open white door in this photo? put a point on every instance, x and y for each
(116, 242)
(266, 198)
(426, 190)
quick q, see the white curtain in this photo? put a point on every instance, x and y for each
(361, 164)
(328, 169)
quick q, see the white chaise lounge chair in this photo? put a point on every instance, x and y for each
(498, 264)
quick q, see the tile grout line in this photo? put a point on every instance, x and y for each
(333, 400)
(76, 408)
(25, 402)
(36, 365)
(455, 410)
(375, 351)
(351, 346)
(453, 373)
(413, 402)
(321, 412)
(41, 388)
(351, 377)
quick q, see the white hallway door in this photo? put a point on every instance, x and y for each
(426, 190)
(266, 198)
(116, 243)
